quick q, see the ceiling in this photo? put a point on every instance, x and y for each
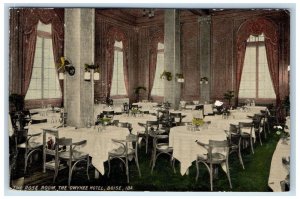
(139, 13)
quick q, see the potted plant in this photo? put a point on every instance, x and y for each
(166, 75)
(137, 92)
(16, 101)
(229, 95)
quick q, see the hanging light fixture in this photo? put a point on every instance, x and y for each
(148, 12)
(97, 74)
(87, 73)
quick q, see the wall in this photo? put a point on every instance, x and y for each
(224, 28)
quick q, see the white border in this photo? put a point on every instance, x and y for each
(140, 3)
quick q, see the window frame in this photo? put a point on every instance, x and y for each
(117, 95)
(257, 44)
(38, 102)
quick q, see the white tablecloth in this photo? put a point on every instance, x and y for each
(277, 171)
(189, 114)
(208, 109)
(98, 143)
(99, 108)
(135, 120)
(185, 149)
(256, 109)
(146, 106)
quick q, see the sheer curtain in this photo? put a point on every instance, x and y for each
(113, 35)
(257, 27)
(155, 39)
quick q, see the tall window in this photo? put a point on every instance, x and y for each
(158, 85)
(118, 83)
(44, 83)
(256, 80)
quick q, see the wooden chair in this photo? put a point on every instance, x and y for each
(27, 142)
(176, 118)
(258, 124)
(71, 156)
(234, 140)
(144, 135)
(161, 146)
(49, 149)
(246, 131)
(126, 150)
(214, 157)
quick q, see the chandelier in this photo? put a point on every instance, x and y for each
(148, 12)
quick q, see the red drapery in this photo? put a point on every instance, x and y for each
(113, 35)
(156, 38)
(31, 18)
(270, 31)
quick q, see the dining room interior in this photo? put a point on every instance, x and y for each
(149, 99)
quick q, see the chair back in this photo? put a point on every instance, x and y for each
(63, 117)
(152, 126)
(108, 114)
(258, 121)
(122, 124)
(248, 126)
(233, 136)
(177, 117)
(67, 143)
(134, 106)
(215, 146)
(51, 134)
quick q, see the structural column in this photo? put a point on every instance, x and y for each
(204, 47)
(172, 91)
(79, 49)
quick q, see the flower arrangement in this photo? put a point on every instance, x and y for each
(135, 111)
(197, 121)
(280, 132)
(104, 120)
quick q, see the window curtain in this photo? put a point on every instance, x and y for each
(116, 35)
(158, 37)
(257, 27)
(32, 17)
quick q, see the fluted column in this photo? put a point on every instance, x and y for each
(79, 49)
(172, 91)
(204, 41)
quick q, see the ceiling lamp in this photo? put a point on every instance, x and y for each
(148, 12)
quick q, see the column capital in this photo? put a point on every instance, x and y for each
(204, 19)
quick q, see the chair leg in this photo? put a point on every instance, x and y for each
(26, 160)
(70, 173)
(137, 164)
(240, 157)
(251, 144)
(197, 168)
(228, 174)
(108, 167)
(153, 161)
(211, 177)
(173, 164)
(57, 163)
(146, 145)
(259, 136)
(87, 167)
(127, 170)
